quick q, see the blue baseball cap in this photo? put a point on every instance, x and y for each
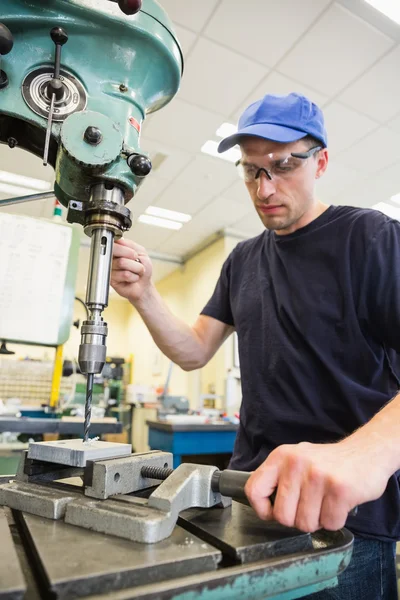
(279, 119)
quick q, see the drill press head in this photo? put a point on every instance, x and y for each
(80, 78)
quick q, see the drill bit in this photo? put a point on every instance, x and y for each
(88, 406)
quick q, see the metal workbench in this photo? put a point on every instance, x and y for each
(212, 554)
(190, 439)
(32, 426)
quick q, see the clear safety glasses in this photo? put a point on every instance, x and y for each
(280, 166)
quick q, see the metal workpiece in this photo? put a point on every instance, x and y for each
(12, 582)
(105, 478)
(76, 453)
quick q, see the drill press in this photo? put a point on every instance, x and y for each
(76, 83)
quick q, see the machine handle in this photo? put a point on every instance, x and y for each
(232, 483)
(129, 7)
(6, 40)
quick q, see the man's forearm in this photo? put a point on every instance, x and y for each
(380, 437)
(176, 339)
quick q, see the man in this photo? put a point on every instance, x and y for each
(315, 301)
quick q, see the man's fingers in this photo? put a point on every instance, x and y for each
(309, 506)
(128, 264)
(258, 489)
(288, 492)
(123, 243)
(119, 277)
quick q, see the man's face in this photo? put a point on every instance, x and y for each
(286, 202)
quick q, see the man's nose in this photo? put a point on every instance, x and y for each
(266, 187)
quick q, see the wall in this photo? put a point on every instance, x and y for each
(117, 315)
(185, 291)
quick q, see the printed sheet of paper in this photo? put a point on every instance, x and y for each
(33, 266)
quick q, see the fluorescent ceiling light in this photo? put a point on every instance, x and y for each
(395, 198)
(390, 8)
(387, 209)
(231, 155)
(158, 222)
(13, 190)
(168, 214)
(28, 182)
(226, 129)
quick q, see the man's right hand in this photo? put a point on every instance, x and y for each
(129, 277)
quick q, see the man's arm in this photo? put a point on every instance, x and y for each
(188, 347)
(319, 484)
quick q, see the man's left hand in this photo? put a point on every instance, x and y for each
(317, 484)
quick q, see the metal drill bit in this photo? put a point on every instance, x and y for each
(88, 406)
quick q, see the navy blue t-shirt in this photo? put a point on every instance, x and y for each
(317, 313)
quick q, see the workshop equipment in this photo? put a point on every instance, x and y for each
(77, 79)
(232, 553)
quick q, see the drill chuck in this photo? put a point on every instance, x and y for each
(93, 350)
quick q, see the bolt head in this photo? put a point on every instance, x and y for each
(92, 135)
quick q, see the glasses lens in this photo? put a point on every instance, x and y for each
(278, 165)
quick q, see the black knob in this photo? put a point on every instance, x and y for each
(6, 44)
(55, 86)
(130, 7)
(139, 165)
(92, 135)
(59, 36)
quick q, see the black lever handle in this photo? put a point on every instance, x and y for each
(59, 37)
(129, 7)
(6, 44)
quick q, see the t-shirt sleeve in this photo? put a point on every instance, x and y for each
(379, 305)
(219, 305)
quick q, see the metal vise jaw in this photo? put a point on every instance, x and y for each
(105, 505)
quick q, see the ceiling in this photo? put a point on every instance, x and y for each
(342, 54)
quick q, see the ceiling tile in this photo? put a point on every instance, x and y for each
(337, 49)
(372, 190)
(336, 178)
(174, 162)
(377, 93)
(188, 199)
(255, 28)
(210, 174)
(181, 242)
(185, 126)
(24, 163)
(148, 236)
(150, 189)
(276, 83)
(378, 150)
(394, 124)
(345, 127)
(189, 13)
(217, 215)
(238, 193)
(250, 225)
(186, 39)
(217, 78)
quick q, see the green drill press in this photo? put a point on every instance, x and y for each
(77, 80)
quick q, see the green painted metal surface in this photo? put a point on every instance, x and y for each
(127, 66)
